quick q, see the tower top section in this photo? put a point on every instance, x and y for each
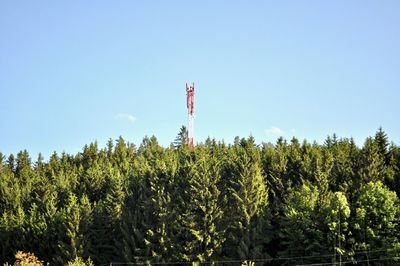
(190, 107)
(190, 98)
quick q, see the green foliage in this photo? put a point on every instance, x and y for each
(248, 199)
(301, 233)
(376, 222)
(75, 220)
(203, 215)
(337, 217)
(182, 138)
(232, 202)
(80, 262)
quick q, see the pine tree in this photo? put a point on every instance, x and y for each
(133, 228)
(124, 153)
(36, 229)
(12, 232)
(24, 174)
(203, 217)
(75, 220)
(246, 222)
(182, 138)
(372, 167)
(344, 168)
(107, 216)
(382, 143)
(275, 166)
(156, 169)
(386, 152)
(294, 165)
(163, 205)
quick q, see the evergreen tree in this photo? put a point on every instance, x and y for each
(344, 168)
(382, 143)
(75, 220)
(249, 198)
(164, 205)
(132, 224)
(182, 138)
(203, 217)
(107, 218)
(275, 166)
(372, 167)
(12, 233)
(25, 177)
(157, 169)
(294, 165)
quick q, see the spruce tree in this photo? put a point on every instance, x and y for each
(75, 220)
(107, 218)
(156, 169)
(182, 138)
(382, 143)
(203, 216)
(372, 165)
(248, 195)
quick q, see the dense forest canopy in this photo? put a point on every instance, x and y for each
(286, 203)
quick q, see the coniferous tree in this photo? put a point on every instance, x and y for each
(249, 198)
(386, 152)
(75, 220)
(182, 138)
(157, 169)
(107, 219)
(382, 143)
(344, 168)
(275, 165)
(294, 173)
(206, 203)
(132, 224)
(372, 166)
(203, 217)
(12, 232)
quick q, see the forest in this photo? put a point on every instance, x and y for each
(286, 203)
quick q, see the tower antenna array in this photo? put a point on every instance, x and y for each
(190, 107)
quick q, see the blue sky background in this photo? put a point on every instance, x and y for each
(72, 72)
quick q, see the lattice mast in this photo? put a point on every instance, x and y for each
(190, 107)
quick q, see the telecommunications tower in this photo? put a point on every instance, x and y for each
(190, 107)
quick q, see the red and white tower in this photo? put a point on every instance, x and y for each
(190, 107)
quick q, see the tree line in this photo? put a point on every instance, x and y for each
(285, 203)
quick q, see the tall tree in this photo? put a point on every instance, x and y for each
(382, 143)
(337, 217)
(107, 218)
(203, 217)
(182, 138)
(376, 222)
(249, 196)
(300, 231)
(75, 220)
(372, 165)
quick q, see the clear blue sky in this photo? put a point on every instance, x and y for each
(72, 72)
